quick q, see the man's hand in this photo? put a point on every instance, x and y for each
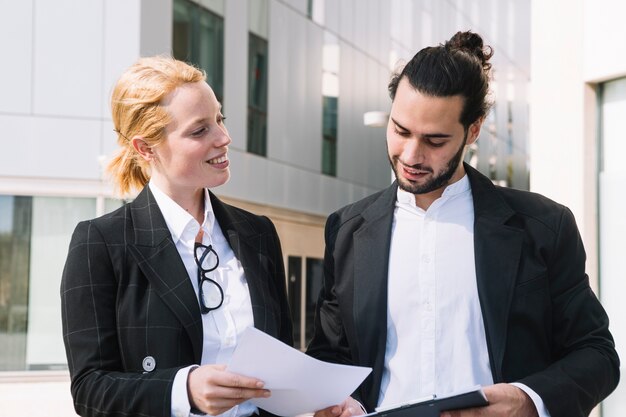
(505, 400)
(214, 390)
(350, 407)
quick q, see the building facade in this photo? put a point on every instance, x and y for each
(295, 78)
(578, 120)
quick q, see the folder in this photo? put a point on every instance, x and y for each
(433, 405)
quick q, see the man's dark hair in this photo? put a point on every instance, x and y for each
(458, 67)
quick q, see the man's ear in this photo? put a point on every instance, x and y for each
(142, 148)
(474, 131)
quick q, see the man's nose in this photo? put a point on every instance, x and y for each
(413, 152)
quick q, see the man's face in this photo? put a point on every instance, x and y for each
(426, 141)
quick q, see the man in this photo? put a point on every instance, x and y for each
(444, 281)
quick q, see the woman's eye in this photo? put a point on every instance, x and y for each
(221, 118)
(198, 132)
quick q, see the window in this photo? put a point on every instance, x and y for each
(257, 77)
(302, 304)
(198, 38)
(34, 237)
(314, 280)
(294, 293)
(611, 220)
(330, 103)
(329, 136)
(315, 10)
(257, 96)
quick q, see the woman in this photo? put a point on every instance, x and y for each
(171, 280)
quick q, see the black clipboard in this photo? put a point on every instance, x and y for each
(432, 406)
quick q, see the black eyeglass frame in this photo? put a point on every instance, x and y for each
(204, 277)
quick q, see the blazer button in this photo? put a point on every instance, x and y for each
(148, 364)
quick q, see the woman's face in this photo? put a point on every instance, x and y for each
(194, 154)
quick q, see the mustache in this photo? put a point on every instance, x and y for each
(420, 167)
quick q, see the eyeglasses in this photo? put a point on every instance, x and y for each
(210, 293)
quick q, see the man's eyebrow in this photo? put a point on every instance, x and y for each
(398, 124)
(423, 135)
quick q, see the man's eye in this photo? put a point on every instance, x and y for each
(435, 144)
(401, 132)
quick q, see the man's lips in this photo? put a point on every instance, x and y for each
(414, 173)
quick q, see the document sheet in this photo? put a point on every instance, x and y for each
(299, 383)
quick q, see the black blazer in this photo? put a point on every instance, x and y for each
(126, 296)
(544, 326)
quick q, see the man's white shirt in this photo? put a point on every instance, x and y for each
(436, 342)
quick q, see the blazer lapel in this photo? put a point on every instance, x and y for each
(158, 259)
(244, 239)
(371, 260)
(497, 250)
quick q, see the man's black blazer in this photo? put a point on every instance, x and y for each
(126, 296)
(544, 326)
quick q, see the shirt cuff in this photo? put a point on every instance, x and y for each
(180, 397)
(542, 411)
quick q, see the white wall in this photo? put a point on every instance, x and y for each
(65, 55)
(605, 31)
(557, 97)
(568, 60)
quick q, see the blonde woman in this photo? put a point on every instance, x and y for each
(156, 294)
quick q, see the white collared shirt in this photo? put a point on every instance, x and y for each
(436, 342)
(222, 327)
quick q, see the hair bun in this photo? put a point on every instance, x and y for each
(472, 44)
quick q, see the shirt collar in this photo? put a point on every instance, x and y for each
(461, 186)
(180, 223)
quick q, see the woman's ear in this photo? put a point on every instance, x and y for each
(142, 148)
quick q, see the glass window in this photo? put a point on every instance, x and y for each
(329, 136)
(315, 10)
(294, 292)
(15, 231)
(314, 280)
(611, 220)
(257, 96)
(302, 305)
(330, 103)
(34, 237)
(198, 38)
(257, 78)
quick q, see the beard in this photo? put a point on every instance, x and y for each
(436, 181)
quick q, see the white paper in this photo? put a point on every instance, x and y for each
(299, 383)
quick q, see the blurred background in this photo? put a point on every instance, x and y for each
(304, 88)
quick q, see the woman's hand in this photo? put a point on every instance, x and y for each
(350, 407)
(214, 390)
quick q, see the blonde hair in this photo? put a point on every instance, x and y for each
(137, 111)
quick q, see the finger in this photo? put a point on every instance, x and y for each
(332, 411)
(229, 379)
(234, 393)
(348, 412)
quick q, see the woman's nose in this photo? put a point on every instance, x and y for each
(224, 138)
